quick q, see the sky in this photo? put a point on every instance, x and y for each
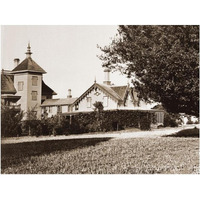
(67, 53)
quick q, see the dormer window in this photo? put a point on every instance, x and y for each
(34, 80)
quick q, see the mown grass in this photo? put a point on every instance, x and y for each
(103, 156)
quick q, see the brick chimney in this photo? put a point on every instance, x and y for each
(69, 93)
(16, 62)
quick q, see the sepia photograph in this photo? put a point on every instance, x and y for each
(100, 99)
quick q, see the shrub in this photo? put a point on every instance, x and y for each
(11, 121)
(189, 121)
(109, 121)
(170, 120)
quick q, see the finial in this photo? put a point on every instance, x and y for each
(95, 79)
(28, 53)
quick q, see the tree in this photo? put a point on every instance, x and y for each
(163, 62)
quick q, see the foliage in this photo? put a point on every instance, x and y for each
(32, 124)
(170, 120)
(98, 105)
(163, 62)
(104, 121)
(11, 121)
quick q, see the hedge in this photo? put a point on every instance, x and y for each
(109, 121)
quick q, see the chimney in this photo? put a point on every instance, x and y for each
(69, 94)
(107, 76)
(16, 62)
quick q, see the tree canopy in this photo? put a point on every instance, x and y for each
(162, 62)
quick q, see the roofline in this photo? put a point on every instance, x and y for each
(56, 104)
(80, 98)
(24, 71)
(53, 93)
(110, 110)
(120, 99)
(8, 92)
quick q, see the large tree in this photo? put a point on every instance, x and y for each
(163, 62)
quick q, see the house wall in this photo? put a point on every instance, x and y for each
(26, 94)
(96, 95)
(53, 110)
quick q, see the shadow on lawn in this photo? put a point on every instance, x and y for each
(194, 133)
(14, 153)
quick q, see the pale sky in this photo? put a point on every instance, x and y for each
(67, 53)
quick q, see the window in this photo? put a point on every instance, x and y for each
(20, 85)
(105, 101)
(34, 80)
(59, 109)
(34, 95)
(89, 102)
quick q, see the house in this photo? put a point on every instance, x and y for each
(111, 96)
(24, 85)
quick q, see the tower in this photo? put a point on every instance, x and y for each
(28, 83)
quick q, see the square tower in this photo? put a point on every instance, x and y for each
(28, 83)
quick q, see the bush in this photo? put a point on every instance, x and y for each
(109, 121)
(170, 120)
(11, 121)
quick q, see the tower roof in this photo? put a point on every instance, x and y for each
(28, 65)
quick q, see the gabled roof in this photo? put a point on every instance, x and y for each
(7, 86)
(115, 92)
(120, 90)
(46, 90)
(108, 89)
(56, 102)
(28, 65)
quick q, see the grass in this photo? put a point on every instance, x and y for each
(169, 155)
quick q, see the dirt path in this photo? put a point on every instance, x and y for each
(131, 133)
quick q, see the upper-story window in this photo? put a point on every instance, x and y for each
(34, 80)
(89, 102)
(34, 95)
(105, 101)
(20, 85)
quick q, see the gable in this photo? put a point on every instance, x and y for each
(104, 88)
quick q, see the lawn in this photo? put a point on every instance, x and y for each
(166, 155)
